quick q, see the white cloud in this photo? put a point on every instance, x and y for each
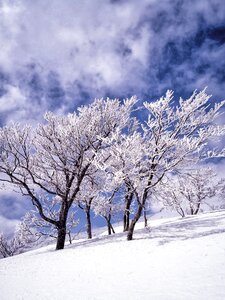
(97, 47)
(69, 37)
(8, 226)
(12, 99)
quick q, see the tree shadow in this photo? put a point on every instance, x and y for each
(186, 228)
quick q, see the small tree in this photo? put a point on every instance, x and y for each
(20, 241)
(7, 246)
(87, 193)
(106, 203)
(106, 206)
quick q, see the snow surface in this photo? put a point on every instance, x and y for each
(173, 259)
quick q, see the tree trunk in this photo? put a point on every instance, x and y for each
(109, 225)
(87, 210)
(133, 223)
(109, 228)
(126, 216)
(61, 227)
(88, 218)
(197, 208)
(180, 211)
(70, 238)
(61, 238)
(113, 231)
(141, 204)
(145, 218)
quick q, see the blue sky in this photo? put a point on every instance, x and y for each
(56, 55)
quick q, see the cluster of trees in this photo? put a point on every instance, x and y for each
(188, 192)
(103, 159)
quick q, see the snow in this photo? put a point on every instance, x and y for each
(174, 259)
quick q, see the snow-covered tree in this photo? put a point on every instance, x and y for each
(187, 192)
(88, 192)
(53, 159)
(173, 137)
(38, 229)
(6, 246)
(100, 195)
(123, 161)
(18, 243)
(84, 157)
(107, 207)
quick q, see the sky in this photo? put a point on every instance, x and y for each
(57, 55)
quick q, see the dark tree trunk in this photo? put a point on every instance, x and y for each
(88, 219)
(61, 238)
(113, 231)
(181, 212)
(109, 228)
(87, 209)
(141, 203)
(197, 208)
(70, 238)
(126, 220)
(145, 218)
(133, 223)
(109, 225)
(126, 216)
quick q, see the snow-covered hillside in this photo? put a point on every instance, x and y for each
(175, 259)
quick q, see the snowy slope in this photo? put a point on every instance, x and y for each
(176, 259)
